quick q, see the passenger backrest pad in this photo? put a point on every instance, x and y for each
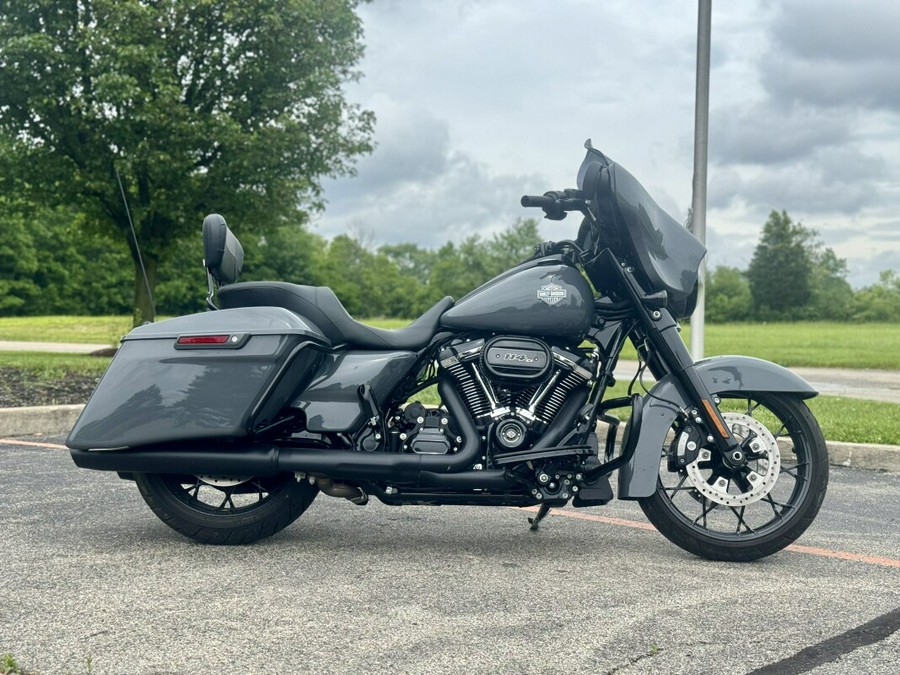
(223, 254)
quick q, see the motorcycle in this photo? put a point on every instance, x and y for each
(231, 421)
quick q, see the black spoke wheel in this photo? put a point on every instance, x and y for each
(747, 513)
(223, 509)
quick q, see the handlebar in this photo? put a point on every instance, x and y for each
(556, 203)
(539, 202)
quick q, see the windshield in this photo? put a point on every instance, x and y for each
(634, 227)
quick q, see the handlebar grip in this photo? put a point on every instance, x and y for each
(543, 201)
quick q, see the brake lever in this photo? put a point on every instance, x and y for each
(572, 204)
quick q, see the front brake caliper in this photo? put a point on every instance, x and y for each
(685, 448)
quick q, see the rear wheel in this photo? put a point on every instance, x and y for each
(741, 515)
(226, 510)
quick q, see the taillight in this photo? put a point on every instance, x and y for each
(204, 339)
(230, 341)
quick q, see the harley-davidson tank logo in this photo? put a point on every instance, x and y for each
(552, 293)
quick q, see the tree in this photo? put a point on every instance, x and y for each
(286, 253)
(460, 269)
(728, 296)
(48, 265)
(779, 273)
(513, 245)
(832, 295)
(18, 262)
(457, 269)
(881, 301)
(794, 276)
(233, 106)
(411, 259)
(368, 284)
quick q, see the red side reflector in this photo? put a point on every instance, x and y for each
(203, 339)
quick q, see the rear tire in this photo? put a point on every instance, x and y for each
(734, 516)
(221, 510)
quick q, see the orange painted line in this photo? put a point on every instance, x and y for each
(844, 555)
(54, 446)
(795, 548)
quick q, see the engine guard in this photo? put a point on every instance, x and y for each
(720, 374)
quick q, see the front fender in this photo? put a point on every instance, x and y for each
(720, 374)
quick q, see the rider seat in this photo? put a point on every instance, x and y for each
(321, 306)
(223, 257)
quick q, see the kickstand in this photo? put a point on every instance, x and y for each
(542, 512)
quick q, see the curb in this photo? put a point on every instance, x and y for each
(44, 419)
(59, 419)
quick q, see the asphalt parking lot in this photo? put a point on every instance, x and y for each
(92, 582)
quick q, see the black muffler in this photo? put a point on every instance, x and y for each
(197, 458)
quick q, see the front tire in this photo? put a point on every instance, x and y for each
(224, 510)
(744, 515)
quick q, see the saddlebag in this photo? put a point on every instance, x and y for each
(221, 374)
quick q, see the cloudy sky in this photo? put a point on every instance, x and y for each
(481, 101)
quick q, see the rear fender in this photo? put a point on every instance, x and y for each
(662, 405)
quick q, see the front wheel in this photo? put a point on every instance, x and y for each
(746, 514)
(225, 509)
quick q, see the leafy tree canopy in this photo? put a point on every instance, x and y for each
(779, 273)
(727, 295)
(794, 276)
(881, 301)
(49, 266)
(233, 106)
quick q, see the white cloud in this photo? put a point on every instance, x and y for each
(767, 133)
(416, 187)
(480, 101)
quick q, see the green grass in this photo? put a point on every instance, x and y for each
(857, 421)
(818, 344)
(49, 366)
(815, 344)
(82, 329)
(9, 665)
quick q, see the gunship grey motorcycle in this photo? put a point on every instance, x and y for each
(233, 420)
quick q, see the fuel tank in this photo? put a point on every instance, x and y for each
(539, 297)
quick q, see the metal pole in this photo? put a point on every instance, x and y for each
(701, 153)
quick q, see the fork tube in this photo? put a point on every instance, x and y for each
(662, 332)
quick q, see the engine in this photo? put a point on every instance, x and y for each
(514, 386)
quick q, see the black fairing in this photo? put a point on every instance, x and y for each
(665, 254)
(541, 297)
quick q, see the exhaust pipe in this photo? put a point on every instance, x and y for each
(196, 458)
(346, 491)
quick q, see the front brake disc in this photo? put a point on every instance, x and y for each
(756, 479)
